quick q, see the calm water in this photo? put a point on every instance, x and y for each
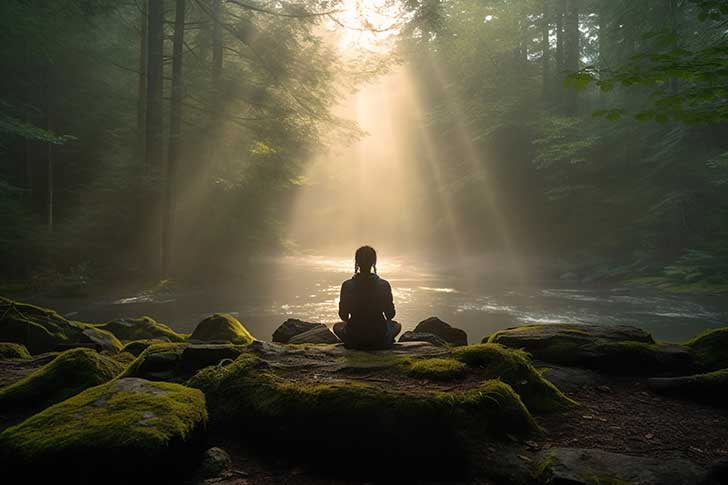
(308, 288)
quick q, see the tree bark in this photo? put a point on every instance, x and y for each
(153, 142)
(175, 120)
(142, 89)
(545, 47)
(571, 58)
(560, 7)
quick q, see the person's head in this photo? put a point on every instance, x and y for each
(365, 259)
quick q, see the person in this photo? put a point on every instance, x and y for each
(366, 306)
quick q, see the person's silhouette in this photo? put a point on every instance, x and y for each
(366, 306)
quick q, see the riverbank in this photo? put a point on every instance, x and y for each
(585, 401)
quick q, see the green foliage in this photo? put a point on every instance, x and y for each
(13, 351)
(68, 374)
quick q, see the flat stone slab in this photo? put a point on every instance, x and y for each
(576, 466)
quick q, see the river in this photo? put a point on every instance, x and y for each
(308, 288)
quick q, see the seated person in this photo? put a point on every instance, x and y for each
(366, 306)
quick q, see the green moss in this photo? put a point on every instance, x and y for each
(437, 369)
(247, 390)
(710, 348)
(514, 367)
(13, 351)
(39, 329)
(128, 414)
(157, 362)
(136, 347)
(68, 374)
(221, 327)
(141, 328)
(103, 339)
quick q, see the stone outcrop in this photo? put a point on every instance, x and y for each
(292, 327)
(449, 334)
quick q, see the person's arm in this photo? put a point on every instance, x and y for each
(389, 311)
(344, 303)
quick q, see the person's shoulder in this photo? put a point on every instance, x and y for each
(384, 283)
(347, 283)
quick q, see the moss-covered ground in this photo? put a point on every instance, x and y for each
(13, 351)
(221, 327)
(142, 328)
(711, 348)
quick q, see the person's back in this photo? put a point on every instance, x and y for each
(366, 307)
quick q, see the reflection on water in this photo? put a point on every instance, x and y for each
(308, 288)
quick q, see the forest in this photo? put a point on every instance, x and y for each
(140, 139)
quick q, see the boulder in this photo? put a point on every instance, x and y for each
(316, 335)
(576, 466)
(39, 329)
(609, 349)
(10, 350)
(443, 330)
(292, 327)
(159, 362)
(410, 336)
(199, 356)
(215, 462)
(136, 347)
(142, 328)
(221, 328)
(68, 374)
(710, 388)
(101, 339)
(709, 349)
(129, 431)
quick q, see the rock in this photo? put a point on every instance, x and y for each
(133, 429)
(710, 388)
(221, 328)
(292, 327)
(574, 378)
(575, 466)
(215, 462)
(410, 336)
(709, 349)
(13, 351)
(300, 417)
(443, 330)
(159, 362)
(68, 374)
(610, 349)
(142, 328)
(136, 347)
(514, 368)
(199, 356)
(39, 329)
(317, 335)
(101, 339)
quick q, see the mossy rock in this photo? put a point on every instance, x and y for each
(128, 430)
(68, 374)
(710, 348)
(514, 367)
(159, 362)
(101, 339)
(221, 328)
(178, 362)
(615, 349)
(710, 388)
(248, 398)
(437, 369)
(10, 350)
(39, 329)
(142, 328)
(136, 347)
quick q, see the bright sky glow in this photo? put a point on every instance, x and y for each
(368, 24)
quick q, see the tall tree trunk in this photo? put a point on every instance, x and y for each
(571, 58)
(153, 142)
(218, 17)
(175, 119)
(142, 89)
(560, 8)
(545, 47)
(155, 30)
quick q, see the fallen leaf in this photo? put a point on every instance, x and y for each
(524, 458)
(588, 416)
(649, 436)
